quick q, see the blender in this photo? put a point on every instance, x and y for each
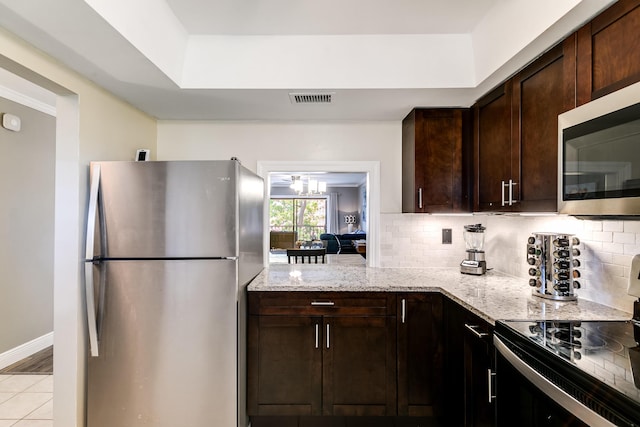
(474, 241)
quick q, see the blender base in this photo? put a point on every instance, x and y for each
(476, 268)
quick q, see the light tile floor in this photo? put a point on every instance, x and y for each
(26, 401)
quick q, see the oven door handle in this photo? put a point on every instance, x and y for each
(547, 387)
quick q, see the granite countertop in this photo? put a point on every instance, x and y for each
(492, 296)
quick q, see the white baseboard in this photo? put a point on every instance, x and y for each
(25, 350)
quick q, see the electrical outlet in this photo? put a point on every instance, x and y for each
(446, 236)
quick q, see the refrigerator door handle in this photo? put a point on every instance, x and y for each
(88, 264)
(92, 211)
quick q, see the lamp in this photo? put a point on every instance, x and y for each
(313, 186)
(349, 220)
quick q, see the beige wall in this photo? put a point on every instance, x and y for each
(91, 125)
(290, 141)
(27, 160)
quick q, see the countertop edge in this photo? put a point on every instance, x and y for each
(494, 296)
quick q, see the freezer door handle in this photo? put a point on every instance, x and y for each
(92, 211)
(88, 265)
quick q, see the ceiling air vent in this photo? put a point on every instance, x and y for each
(311, 98)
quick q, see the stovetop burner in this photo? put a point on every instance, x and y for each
(571, 340)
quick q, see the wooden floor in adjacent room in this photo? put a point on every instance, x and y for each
(38, 363)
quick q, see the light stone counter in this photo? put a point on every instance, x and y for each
(492, 296)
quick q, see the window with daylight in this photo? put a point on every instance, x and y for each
(305, 217)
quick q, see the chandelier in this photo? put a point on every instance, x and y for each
(313, 186)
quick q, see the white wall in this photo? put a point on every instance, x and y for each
(288, 141)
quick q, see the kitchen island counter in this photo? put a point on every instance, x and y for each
(492, 296)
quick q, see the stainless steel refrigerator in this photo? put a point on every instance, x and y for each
(171, 247)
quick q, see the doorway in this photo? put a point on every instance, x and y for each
(68, 340)
(27, 188)
(371, 212)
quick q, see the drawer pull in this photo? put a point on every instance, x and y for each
(472, 328)
(323, 303)
(317, 335)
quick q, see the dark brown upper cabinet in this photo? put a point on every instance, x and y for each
(436, 160)
(607, 51)
(516, 135)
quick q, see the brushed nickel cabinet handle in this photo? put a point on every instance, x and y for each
(317, 335)
(322, 303)
(472, 328)
(511, 184)
(327, 335)
(404, 309)
(490, 378)
(420, 198)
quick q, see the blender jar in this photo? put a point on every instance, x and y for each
(474, 237)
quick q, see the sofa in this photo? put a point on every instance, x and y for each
(341, 243)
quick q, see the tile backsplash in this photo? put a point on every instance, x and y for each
(607, 247)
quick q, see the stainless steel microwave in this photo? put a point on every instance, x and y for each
(599, 156)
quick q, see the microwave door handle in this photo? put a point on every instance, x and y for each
(89, 261)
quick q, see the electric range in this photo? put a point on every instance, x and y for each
(596, 363)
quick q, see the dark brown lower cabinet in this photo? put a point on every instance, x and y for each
(333, 355)
(420, 354)
(478, 371)
(358, 363)
(285, 370)
(468, 368)
(350, 359)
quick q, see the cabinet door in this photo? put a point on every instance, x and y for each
(492, 149)
(541, 92)
(607, 51)
(420, 355)
(434, 142)
(468, 359)
(439, 160)
(359, 373)
(284, 365)
(479, 404)
(453, 327)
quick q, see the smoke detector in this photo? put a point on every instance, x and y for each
(311, 98)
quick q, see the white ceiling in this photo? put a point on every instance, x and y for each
(240, 59)
(327, 17)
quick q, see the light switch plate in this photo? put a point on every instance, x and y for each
(446, 236)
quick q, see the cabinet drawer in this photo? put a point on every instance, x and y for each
(322, 303)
